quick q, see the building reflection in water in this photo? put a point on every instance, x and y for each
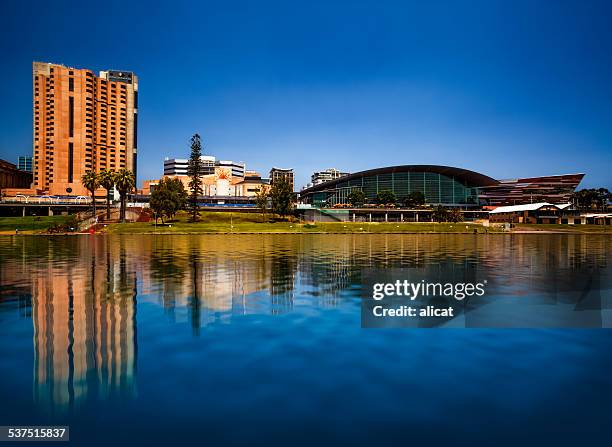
(84, 289)
(84, 318)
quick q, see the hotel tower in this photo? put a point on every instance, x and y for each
(82, 122)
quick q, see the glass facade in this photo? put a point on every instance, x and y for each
(437, 188)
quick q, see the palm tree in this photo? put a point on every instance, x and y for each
(125, 182)
(107, 181)
(91, 182)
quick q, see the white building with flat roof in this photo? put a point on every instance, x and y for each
(325, 176)
(178, 166)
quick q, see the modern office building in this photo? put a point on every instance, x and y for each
(238, 168)
(24, 163)
(178, 166)
(325, 176)
(82, 122)
(278, 173)
(441, 185)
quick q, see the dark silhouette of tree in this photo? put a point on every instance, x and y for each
(261, 201)
(91, 182)
(281, 197)
(455, 215)
(356, 198)
(107, 181)
(194, 171)
(386, 197)
(440, 214)
(168, 197)
(125, 182)
(415, 198)
(588, 199)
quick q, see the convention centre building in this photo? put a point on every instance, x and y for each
(442, 185)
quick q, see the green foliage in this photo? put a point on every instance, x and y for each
(415, 198)
(168, 197)
(107, 181)
(356, 198)
(281, 197)
(125, 182)
(91, 182)
(68, 225)
(386, 197)
(587, 199)
(455, 215)
(194, 171)
(261, 201)
(440, 214)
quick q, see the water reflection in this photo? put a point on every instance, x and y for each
(82, 292)
(84, 319)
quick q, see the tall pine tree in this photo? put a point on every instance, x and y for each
(194, 171)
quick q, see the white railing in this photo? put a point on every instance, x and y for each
(47, 200)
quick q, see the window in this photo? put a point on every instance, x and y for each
(135, 142)
(70, 84)
(70, 161)
(71, 115)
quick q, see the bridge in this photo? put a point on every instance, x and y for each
(44, 205)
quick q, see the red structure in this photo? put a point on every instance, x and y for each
(551, 189)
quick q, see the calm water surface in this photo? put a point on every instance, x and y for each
(178, 340)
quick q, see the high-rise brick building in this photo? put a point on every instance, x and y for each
(82, 122)
(278, 173)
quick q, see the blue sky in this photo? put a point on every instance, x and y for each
(504, 88)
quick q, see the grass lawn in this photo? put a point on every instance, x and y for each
(30, 224)
(212, 222)
(578, 229)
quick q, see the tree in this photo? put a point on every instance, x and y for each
(603, 197)
(356, 198)
(107, 181)
(386, 197)
(194, 171)
(440, 214)
(455, 215)
(90, 182)
(125, 182)
(281, 196)
(261, 201)
(168, 197)
(587, 199)
(415, 198)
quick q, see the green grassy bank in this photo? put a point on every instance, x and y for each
(211, 222)
(31, 224)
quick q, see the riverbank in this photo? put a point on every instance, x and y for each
(290, 228)
(32, 224)
(252, 223)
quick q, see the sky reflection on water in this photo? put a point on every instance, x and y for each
(262, 333)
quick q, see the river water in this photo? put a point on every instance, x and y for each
(249, 339)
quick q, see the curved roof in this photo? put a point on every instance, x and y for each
(470, 177)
